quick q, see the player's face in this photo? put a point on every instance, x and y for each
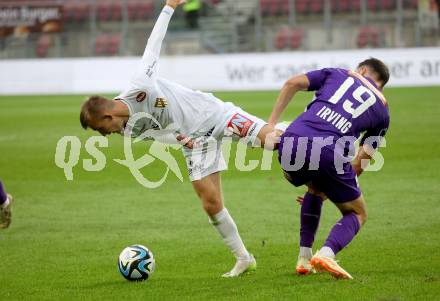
(109, 125)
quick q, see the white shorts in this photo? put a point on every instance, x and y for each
(206, 157)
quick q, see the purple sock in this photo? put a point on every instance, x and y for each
(343, 232)
(3, 195)
(310, 215)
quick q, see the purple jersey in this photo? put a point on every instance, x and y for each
(345, 104)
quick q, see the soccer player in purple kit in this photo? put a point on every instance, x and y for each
(5, 208)
(315, 151)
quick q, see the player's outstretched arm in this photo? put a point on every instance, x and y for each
(154, 44)
(290, 88)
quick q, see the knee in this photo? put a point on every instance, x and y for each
(211, 205)
(362, 216)
(316, 192)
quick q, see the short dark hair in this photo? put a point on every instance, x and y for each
(378, 68)
(93, 108)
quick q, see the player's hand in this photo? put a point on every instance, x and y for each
(357, 167)
(271, 140)
(175, 3)
(187, 141)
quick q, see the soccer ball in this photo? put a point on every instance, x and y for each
(136, 263)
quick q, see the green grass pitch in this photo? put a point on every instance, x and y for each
(66, 236)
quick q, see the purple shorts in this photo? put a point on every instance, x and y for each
(338, 187)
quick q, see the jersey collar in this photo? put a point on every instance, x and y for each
(370, 84)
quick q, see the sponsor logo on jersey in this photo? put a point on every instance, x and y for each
(240, 124)
(254, 126)
(160, 103)
(141, 96)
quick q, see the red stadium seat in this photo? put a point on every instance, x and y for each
(103, 10)
(146, 10)
(356, 5)
(389, 4)
(369, 36)
(316, 6)
(116, 11)
(363, 37)
(296, 38)
(75, 11)
(107, 44)
(140, 10)
(284, 7)
(411, 4)
(101, 45)
(43, 44)
(132, 10)
(113, 44)
(343, 6)
(334, 4)
(374, 37)
(82, 11)
(264, 7)
(290, 38)
(274, 8)
(301, 7)
(68, 13)
(281, 39)
(372, 5)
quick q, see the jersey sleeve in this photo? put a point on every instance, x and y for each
(374, 136)
(147, 67)
(317, 78)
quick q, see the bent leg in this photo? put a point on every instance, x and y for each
(342, 233)
(354, 216)
(209, 191)
(310, 216)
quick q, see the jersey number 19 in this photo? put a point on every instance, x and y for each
(357, 95)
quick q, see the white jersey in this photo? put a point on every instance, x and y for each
(193, 113)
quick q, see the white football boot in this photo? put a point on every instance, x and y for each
(242, 266)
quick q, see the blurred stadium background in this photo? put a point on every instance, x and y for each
(84, 28)
(248, 44)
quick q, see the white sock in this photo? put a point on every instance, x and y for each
(225, 225)
(6, 203)
(326, 251)
(305, 252)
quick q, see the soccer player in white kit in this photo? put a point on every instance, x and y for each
(200, 121)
